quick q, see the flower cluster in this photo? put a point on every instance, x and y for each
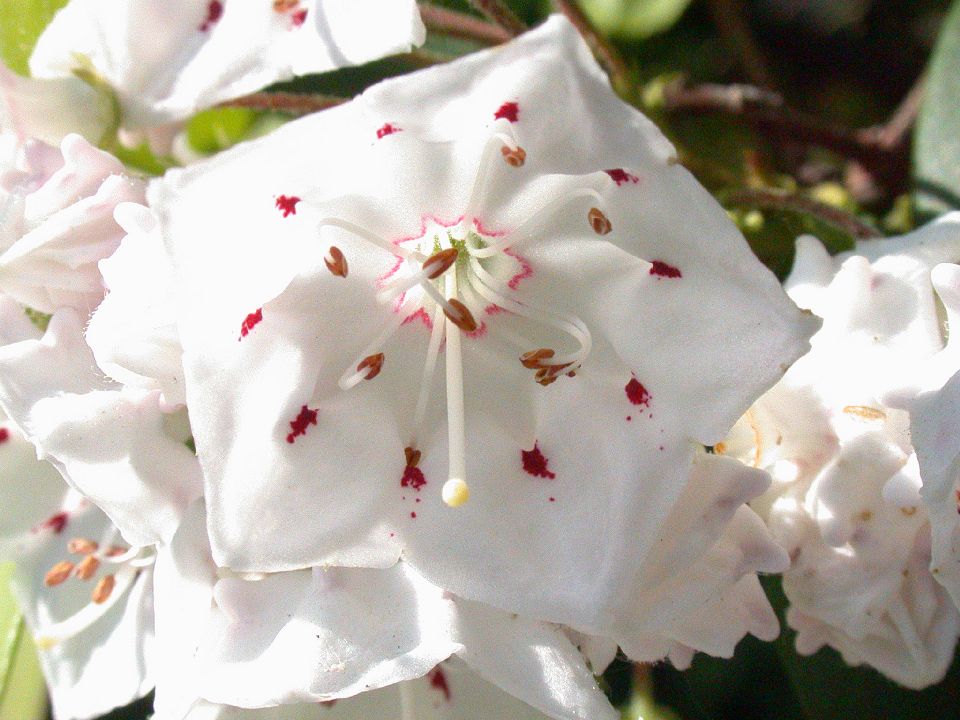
(403, 409)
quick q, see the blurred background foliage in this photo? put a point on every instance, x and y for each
(838, 118)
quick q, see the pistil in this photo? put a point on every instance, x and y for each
(455, 491)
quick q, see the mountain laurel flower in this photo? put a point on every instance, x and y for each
(844, 501)
(167, 59)
(86, 597)
(57, 209)
(478, 318)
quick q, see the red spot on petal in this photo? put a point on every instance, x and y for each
(535, 463)
(438, 681)
(4, 435)
(298, 18)
(56, 522)
(287, 204)
(413, 515)
(413, 478)
(662, 269)
(250, 322)
(553, 499)
(214, 13)
(621, 176)
(637, 393)
(299, 425)
(387, 129)
(629, 418)
(508, 111)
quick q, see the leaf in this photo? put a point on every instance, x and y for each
(213, 130)
(21, 22)
(23, 694)
(936, 142)
(634, 19)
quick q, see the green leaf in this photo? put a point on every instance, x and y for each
(936, 143)
(634, 19)
(21, 22)
(213, 130)
(23, 694)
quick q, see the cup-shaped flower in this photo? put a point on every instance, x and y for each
(478, 318)
(167, 59)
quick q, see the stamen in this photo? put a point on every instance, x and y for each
(499, 139)
(58, 573)
(433, 267)
(89, 614)
(438, 263)
(103, 589)
(87, 568)
(515, 157)
(371, 237)
(373, 364)
(82, 546)
(533, 226)
(335, 261)
(456, 428)
(412, 456)
(534, 359)
(461, 317)
(599, 222)
(282, 6)
(426, 380)
(352, 377)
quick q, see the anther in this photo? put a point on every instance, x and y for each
(81, 546)
(58, 573)
(103, 589)
(412, 456)
(464, 318)
(86, 568)
(599, 222)
(455, 492)
(438, 263)
(533, 359)
(336, 262)
(282, 6)
(372, 363)
(515, 157)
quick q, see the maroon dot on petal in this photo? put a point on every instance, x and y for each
(535, 463)
(508, 111)
(298, 18)
(621, 176)
(413, 478)
(662, 269)
(387, 129)
(56, 522)
(637, 393)
(214, 13)
(287, 204)
(553, 499)
(250, 322)
(4, 435)
(413, 515)
(438, 681)
(299, 425)
(629, 418)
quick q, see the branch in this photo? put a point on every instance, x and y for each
(773, 200)
(500, 15)
(285, 102)
(731, 20)
(457, 24)
(605, 52)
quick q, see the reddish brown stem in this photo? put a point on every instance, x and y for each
(500, 15)
(457, 24)
(773, 200)
(285, 102)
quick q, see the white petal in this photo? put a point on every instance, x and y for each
(166, 60)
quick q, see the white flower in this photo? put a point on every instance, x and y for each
(454, 217)
(57, 209)
(840, 458)
(95, 655)
(323, 634)
(166, 59)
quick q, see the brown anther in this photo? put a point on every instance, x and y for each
(532, 359)
(103, 589)
(720, 448)
(572, 373)
(58, 573)
(87, 567)
(82, 546)
(335, 261)
(438, 263)
(374, 363)
(864, 412)
(464, 319)
(413, 456)
(599, 222)
(282, 6)
(515, 158)
(545, 377)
